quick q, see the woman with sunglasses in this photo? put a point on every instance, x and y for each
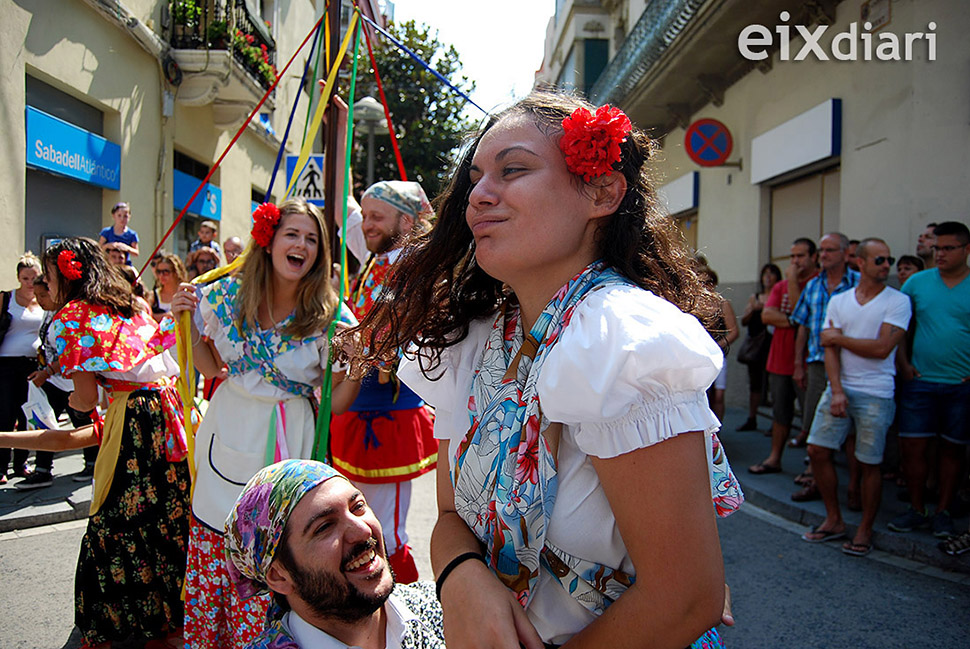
(169, 274)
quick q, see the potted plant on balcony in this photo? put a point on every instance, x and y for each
(218, 35)
(186, 15)
(254, 58)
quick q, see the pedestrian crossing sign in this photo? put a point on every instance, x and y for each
(309, 185)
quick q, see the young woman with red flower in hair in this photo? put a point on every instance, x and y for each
(560, 336)
(131, 566)
(268, 324)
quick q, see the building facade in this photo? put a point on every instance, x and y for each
(835, 125)
(136, 100)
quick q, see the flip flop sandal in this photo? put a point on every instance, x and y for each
(826, 535)
(856, 549)
(761, 468)
(804, 478)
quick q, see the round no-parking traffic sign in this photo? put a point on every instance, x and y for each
(708, 142)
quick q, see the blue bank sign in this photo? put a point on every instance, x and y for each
(62, 148)
(207, 203)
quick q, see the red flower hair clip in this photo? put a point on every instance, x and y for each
(591, 141)
(265, 219)
(68, 265)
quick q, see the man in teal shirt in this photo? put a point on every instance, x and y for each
(936, 390)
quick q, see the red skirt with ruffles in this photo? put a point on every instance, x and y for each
(384, 446)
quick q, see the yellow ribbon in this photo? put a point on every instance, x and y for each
(104, 467)
(321, 107)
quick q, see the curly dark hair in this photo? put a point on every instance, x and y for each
(100, 283)
(437, 289)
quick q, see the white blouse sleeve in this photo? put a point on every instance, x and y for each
(449, 394)
(630, 370)
(211, 297)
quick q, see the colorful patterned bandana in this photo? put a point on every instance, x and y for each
(407, 197)
(255, 525)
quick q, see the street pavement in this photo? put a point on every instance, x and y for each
(68, 500)
(786, 592)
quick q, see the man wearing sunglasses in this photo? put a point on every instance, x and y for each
(936, 392)
(863, 327)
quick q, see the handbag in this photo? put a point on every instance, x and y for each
(5, 318)
(752, 349)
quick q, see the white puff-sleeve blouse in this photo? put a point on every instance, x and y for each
(630, 370)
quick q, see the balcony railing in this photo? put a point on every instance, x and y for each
(658, 27)
(226, 26)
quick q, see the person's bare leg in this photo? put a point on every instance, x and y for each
(754, 400)
(827, 482)
(779, 434)
(855, 474)
(913, 451)
(951, 463)
(871, 490)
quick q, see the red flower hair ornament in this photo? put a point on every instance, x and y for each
(591, 141)
(265, 219)
(68, 265)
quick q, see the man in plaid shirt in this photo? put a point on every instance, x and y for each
(809, 315)
(809, 372)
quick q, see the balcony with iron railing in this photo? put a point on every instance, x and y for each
(226, 56)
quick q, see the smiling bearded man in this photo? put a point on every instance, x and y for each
(386, 438)
(317, 546)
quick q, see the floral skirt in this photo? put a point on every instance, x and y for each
(215, 617)
(132, 562)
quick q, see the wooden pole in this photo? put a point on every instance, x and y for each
(331, 135)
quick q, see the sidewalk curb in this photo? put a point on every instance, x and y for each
(772, 493)
(63, 501)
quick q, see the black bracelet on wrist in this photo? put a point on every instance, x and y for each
(454, 563)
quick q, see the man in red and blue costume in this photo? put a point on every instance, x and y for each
(386, 438)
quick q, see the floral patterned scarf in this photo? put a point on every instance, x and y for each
(505, 469)
(505, 472)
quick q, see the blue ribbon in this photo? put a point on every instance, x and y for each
(421, 61)
(368, 417)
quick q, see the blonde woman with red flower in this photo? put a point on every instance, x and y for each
(131, 565)
(268, 323)
(561, 338)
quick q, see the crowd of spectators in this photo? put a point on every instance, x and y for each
(868, 364)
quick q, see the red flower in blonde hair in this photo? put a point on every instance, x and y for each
(68, 265)
(591, 141)
(265, 219)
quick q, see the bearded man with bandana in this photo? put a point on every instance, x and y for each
(386, 438)
(312, 541)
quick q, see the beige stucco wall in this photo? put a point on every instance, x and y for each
(75, 50)
(14, 24)
(905, 134)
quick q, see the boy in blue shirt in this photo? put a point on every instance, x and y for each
(120, 233)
